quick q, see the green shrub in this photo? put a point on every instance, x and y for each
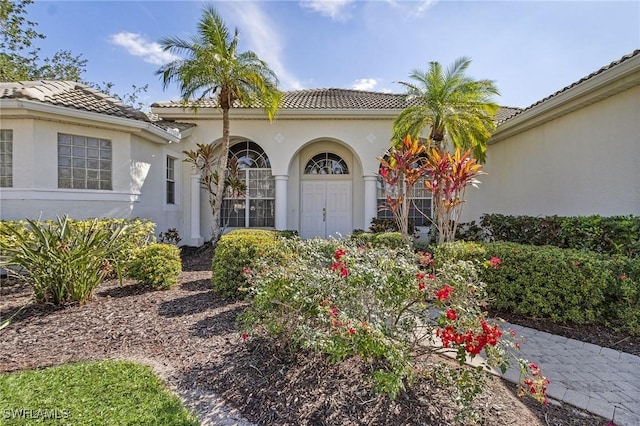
(547, 282)
(609, 235)
(389, 225)
(236, 251)
(63, 260)
(157, 265)
(459, 250)
(623, 295)
(382, 239)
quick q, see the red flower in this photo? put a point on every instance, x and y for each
(352, 331)
(495, 262)
(444, 292)
(339, 254)
(421, 285)
(451, 314)
(244, 336)
(333, 312)
(342, 267)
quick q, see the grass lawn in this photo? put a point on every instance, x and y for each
(90, 393)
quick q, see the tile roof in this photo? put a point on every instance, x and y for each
(317, 99)
(71, 95)
(79, 96)
(582, 80)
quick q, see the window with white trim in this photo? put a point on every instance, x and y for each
(420, 209)
(6, 158)
(84, 162)
(171, 180)
(256, 207)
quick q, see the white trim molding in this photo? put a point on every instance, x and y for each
(68, 195)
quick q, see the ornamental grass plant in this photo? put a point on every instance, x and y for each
(63, 263)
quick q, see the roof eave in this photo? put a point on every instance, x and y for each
(601, 86)
(148, 129)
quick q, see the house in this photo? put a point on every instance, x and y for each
(66, 148)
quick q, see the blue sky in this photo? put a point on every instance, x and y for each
(529, 48)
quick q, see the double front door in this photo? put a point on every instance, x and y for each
(326, 208)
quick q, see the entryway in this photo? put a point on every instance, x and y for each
(326, 208)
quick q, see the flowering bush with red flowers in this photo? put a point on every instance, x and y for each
(391, 308)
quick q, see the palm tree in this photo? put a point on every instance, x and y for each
(455, 107)
(212, 67)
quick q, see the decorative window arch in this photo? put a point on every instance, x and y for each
(256, 207)
(326, 163)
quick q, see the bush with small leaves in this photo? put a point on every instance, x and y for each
(157, 265)
(389, 308)
(238, 250)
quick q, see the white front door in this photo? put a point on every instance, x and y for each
(326, 208)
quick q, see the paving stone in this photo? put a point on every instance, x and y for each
(610, 353)
(624, 385)
(600, 407)
(626, 416)
(573, 343)
(558, 339)
(591, 347)
(577, 399)
(625, 357)
(556, 390)
(597, 379)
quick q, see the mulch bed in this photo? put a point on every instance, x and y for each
(190, 336)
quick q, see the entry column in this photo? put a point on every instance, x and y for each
(196, 238)
(370, 199)
(281, 202)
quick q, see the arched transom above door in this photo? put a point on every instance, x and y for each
(326, 163)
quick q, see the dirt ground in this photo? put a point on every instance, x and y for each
(190, 337)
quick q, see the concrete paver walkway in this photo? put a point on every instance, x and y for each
(600, 380)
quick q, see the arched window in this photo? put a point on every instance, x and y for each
(326, 163)
(256, 207)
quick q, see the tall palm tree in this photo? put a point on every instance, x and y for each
(455, 107)
(212, 67)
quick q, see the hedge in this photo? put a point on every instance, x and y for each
(237, 250)
(379, 239)
(609, 235)
(563, 285)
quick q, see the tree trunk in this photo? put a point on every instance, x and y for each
(222, 173)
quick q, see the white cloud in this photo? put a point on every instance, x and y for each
(414, 8)
(137, 45)
(264, 41)
(366, 84)
(335, 9)
(425, 5)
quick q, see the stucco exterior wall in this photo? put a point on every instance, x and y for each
(289, 144)
(582, 163)
(136, 164)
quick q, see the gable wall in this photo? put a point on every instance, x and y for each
(586, 162)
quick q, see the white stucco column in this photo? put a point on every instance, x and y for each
(196, 239)
(370, 199)
(281, 202)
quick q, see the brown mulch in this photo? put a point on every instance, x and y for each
(190, 336)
